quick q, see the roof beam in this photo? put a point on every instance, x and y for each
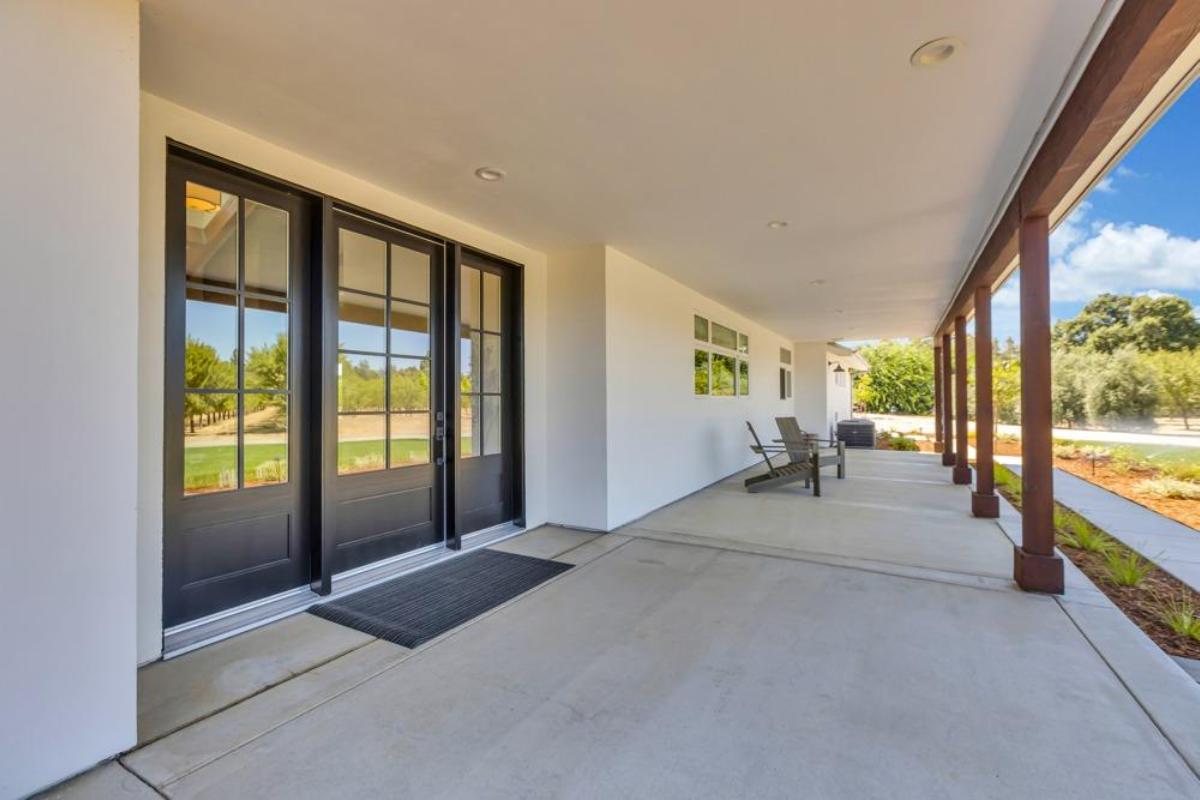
(1145, 39)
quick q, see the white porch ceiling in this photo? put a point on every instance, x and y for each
(673, 130)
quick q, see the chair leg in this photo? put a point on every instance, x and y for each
(816, 474)
(841, 460)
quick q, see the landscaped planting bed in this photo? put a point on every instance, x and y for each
(1164, 608)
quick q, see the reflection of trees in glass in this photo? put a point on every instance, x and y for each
(410, 387)
(360, 385)
(701, 369)
(722, 375)
(204, 369)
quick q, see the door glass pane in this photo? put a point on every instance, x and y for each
(265, 439)
(410, 439)
(362, 262)
(210, 349)
(361, 440)
(361, 384)
(410, 274)
(410, 329)
(491, 302)
(469, 308)
(209, 443)
(743, 377)
(724, 337)
(468, 426)
(410, 384)
(468, 363)
(491, 362)
(360, 323)
(266, 336)
(700, 378)
(492, 430)
(266, 256)
(723, 368)
(212, 236)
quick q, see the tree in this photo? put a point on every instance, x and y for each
(1068, 385)
(1120, 387)
(1112, 321)
(1006, 382)
(1178, 377)
(900, 380)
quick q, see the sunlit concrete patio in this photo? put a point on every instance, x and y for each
(868, 643)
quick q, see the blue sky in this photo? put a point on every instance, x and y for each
(1137, 231)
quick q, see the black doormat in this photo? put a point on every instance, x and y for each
(417, 607)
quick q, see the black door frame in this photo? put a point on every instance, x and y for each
(319, 308)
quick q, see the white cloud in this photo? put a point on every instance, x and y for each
(1106, 185)
(1125, 258)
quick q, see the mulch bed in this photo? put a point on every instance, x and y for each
(1141, 603)
(1125, 482)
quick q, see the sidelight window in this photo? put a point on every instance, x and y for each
(480, 357)
(237, 332)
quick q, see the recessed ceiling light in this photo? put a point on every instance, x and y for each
(936, 52)
(489, 174)
(817, 282)
(839, 311)
(777, 224)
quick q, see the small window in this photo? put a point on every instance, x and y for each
(701, 372)
(789, 384)
(785, 356)
(724, 337)
(743, 377)
(782, 383)
(743, 344)
(700, 327)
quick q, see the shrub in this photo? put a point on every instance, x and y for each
(1184, 472)
(900, 380)
(1126, 568)
(1066, 451)
(1169, 487)
(1007, 480)
(903, 443)
(1180, 616)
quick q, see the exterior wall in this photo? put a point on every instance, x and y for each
(810, 386)
(162, 120)
(838, 398)
(577, 482)
(663, 441)
(68, 329)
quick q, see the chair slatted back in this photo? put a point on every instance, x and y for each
(795, 438)
(758, 448)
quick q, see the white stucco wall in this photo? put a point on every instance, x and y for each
(810, 391)
(577, 478)
(663, 441)
(162, 120)
(68, 339)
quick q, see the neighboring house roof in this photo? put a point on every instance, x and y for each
(848, 358)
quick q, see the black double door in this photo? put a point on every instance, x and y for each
(339, 390)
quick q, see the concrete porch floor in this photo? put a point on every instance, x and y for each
(864, 644)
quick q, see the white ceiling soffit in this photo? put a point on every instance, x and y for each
(672, 130)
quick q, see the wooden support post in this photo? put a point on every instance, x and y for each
(962, 464)
(947, 405)
(938, 445)
(984, 502)
(1036, 567)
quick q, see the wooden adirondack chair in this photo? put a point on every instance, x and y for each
(829, 453)
(803, 465)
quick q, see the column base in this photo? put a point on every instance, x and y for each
(1035, 573)
(985, 505)
(962, 474)
(948, 459)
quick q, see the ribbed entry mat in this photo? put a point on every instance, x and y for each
(417, 607)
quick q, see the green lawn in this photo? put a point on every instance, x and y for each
(202, 466)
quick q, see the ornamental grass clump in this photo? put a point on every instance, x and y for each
(1075, 531)
(1172, 488)
(1180, 615)
(1126, 568)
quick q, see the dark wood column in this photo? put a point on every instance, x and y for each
(947, 405)
(984, 502)
(937, 398)
(962, 465)
(1036, 567)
